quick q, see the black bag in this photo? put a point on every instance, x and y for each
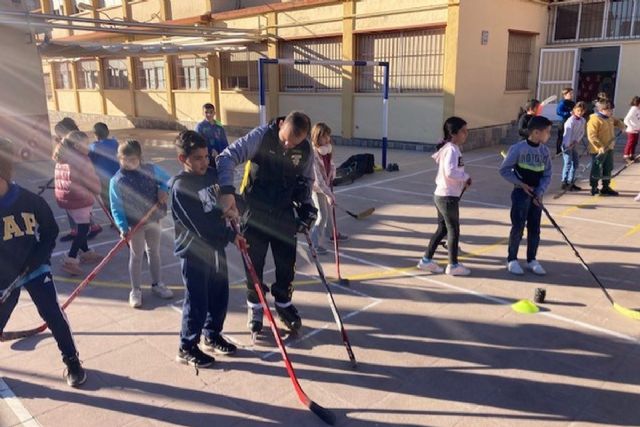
(354, 167)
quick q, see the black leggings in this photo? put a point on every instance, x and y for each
(80, 241)
(448, 226)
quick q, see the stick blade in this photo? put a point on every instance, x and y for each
(632, 314)
(365, 213)
(324, 414)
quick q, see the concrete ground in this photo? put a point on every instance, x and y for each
(433, 350)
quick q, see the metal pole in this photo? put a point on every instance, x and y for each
(261, 88)
(385, 113)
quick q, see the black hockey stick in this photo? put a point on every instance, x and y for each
(325, 415)
(332, 303)
(361, 215)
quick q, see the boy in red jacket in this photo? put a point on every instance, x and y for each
(76, 187)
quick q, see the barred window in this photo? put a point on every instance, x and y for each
(311, 78)
(192, 73)
(116, 74)
(591, 20)
(47, 86)
(87, 74)
(416, 60)
(239, 70)
(150, 74)
(519, 60)
(109, 3)
(62, 75)
(57, 7)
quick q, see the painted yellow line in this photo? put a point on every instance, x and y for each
(633, 231)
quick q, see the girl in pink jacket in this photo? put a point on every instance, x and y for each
(450, 183)
(76, 186)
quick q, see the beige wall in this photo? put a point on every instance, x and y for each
(239, 109)
(319, 107)
(118, 103)
(188, 8)
(152, 104)
(189, 104)
(628, 84)
(291, 17)
(424, 12)
(66, 100)
(411, 118)
(143, 10)
(90, 101)
(480, 96)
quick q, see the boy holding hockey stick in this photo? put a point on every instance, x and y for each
(30, 233)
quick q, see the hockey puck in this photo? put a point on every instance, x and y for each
(540, 295)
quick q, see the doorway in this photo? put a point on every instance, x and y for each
(597, 72)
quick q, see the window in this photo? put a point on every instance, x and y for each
(311, 78)
(192, 73)
(567, 22)
(109, 3)
(150, 74)
(87, 74)
(62, 75)
(57, 7)
(239, 70)
(116, 75)
(47, 86)
(519, 60)
(591, 19)
(416, 60)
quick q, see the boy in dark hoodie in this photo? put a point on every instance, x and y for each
(201, 235)
(530, 108)
(30, 233)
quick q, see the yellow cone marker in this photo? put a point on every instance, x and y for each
(525, 306)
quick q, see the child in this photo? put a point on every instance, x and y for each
(323, 196)
(30, 233)
(104, 156)
(135, 189)
(212, 132)
(632, 120)
(528, 167)
(563, 110)
(76, 186)
(531, 107)
(602, 140)
(201, 235)
(450, 183)
(573, 134)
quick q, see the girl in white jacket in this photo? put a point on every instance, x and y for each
(632, 120)
(450, 184)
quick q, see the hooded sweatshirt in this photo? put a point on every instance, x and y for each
(76, 181)
(451, 176)
(632, 120)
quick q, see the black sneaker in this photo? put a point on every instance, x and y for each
(608, 191)
(74, 374)
(575, 188)
(220, 345)
(194, 357)
(94, 231)
(289, 316)
(69, 237)
(254, 319)
(594, 191)
(565, 186)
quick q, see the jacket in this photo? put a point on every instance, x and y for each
(632, 120)
(323, 178)
(451, 177)
(601, 132)
(76, 181)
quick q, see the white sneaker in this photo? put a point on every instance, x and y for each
(637, 198)
(513, 267)
(135, 298)
(536, 268)
(162, 291)
(429, 266)
(457, 270)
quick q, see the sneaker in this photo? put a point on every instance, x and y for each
(341, 237)
(135, 298)
(94, 231)
(321, 250)
(536, 268)
(637, 198)
(254, 319)
(74, 374)
(574, 187)
(288, 313)
(565, 186)
(608, 191)
(161, 290)
(69, 237)
(71, 266)
(514, 267)
(426, 264)
(595, 191)
(220, 345)
(457, 270)
(90, 257)
(194, 357)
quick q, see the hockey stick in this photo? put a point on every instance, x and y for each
(23, 279)
(14, 335)
(47, 186)
(332, 303)
(325, 415)
(341, 280)
(365, 213)
(633, 314)
(12, 287)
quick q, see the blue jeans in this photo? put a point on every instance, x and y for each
(571, 163)
(206, 297)
(43, 293)
(524, 213)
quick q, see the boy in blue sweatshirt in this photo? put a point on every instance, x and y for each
(104, 156)
(29, 236)
(528, 167)
(212, 132)
(201, 234)
(563, 110)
